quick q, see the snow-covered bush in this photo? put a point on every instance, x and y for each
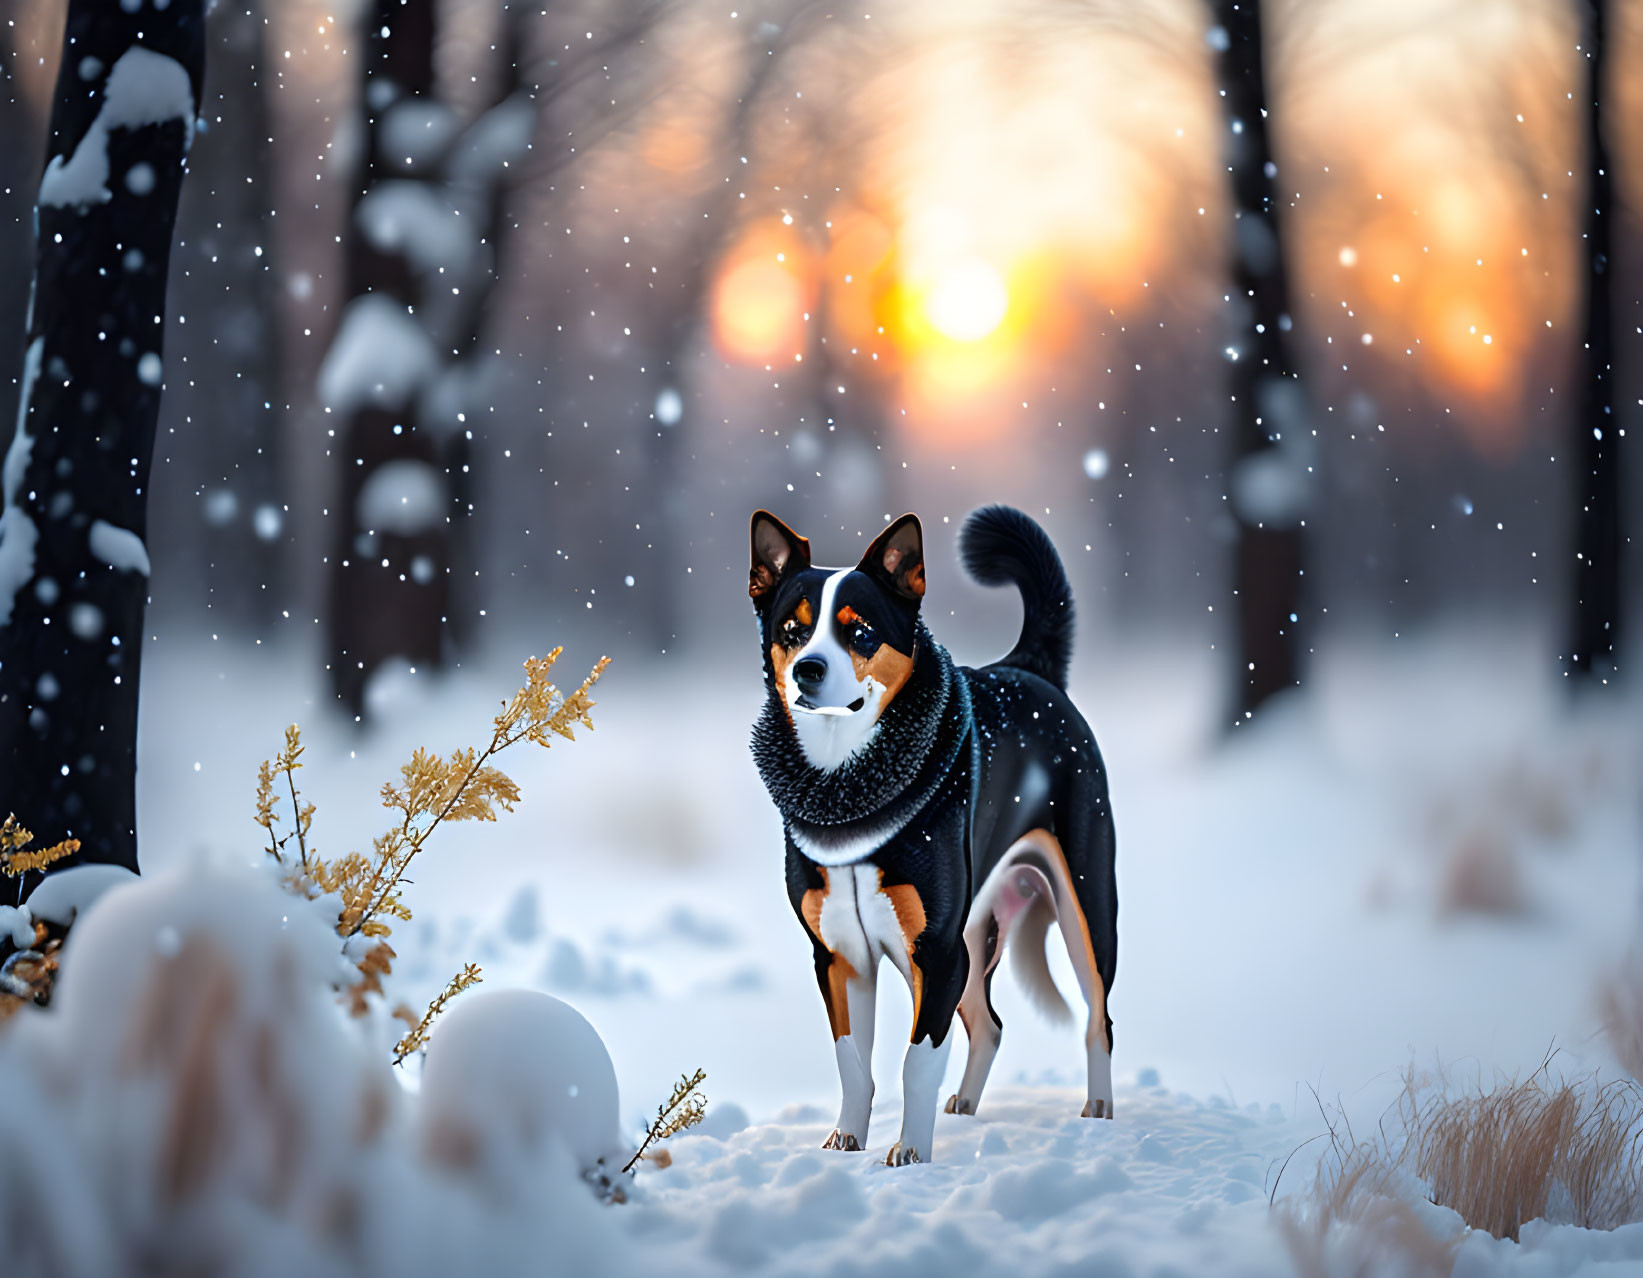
(29, 937)
(195, 1100)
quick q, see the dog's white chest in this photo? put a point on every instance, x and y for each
(858, 920)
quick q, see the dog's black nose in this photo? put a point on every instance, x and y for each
(808, 673)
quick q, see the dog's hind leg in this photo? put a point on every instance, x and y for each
(1097, 1043)
(983, 1026)
(1081, 949)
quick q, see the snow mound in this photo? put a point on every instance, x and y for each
(1027, 1188)
(571, 970)
(511, 1077)
(67, 894)
(195, 1101)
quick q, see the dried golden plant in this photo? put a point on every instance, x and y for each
(15, 859)
(417, 1039)
(27, 974)
(1355, 1218)
(684, 1107)
(287, 761)
(467, 786)
(1497, 1158)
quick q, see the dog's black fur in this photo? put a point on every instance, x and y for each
(964, 761)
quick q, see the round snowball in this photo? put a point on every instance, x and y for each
(510, 1072)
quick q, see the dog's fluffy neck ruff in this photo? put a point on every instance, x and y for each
(846, 813)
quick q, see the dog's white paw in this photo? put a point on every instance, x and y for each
(1097, 1109)
(959, 1105)
(842, 1140)
(901, 1157)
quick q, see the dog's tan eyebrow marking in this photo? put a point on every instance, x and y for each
(847, 615)
(802, 614)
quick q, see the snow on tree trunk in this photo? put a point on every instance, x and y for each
(390, 582)
(1269, 476)
(1598, 597)
(402, 369)
(223, 414)
(73, 566)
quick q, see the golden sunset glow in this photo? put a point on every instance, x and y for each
(997, 232)
(760, 299)
(967, 301)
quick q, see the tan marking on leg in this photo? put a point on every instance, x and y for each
(1047, 843)
(840, 971)
(811, 906)
(909, 908)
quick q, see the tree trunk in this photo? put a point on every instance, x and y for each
(73, 563)
(19, 162)
(1271, 440)
(390, 581)
(1598, 600)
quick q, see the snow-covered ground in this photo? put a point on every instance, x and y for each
(1281, 933)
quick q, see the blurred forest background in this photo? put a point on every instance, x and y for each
(672, 261)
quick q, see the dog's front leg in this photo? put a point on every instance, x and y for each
(939, 982)
(921, 1073)
(854, 1050)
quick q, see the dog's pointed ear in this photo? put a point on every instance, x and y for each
(777, 550)
(897, 558)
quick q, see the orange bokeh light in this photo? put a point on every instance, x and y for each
(761, 298)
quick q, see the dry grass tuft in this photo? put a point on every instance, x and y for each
(1506, 1156)
(1570, 1152)
(1359, 1219)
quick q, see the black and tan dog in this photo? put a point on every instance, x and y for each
(933, 812)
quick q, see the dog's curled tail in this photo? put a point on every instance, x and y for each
(999, 546)
(1030, 962)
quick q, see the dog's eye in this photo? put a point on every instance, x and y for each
(863, 640)
(793, 632)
